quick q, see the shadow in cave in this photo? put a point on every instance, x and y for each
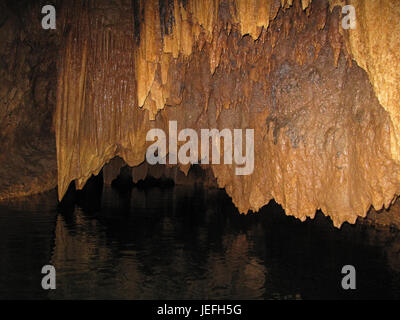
(124, 181)
(189, 242)
(89, 198)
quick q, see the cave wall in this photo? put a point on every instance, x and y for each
(324, 136)
(323, 101)
(374, 44)
(28, 77)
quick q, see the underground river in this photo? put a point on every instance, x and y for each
(180, 242)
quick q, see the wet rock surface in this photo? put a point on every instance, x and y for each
(325, 134)
(322, 139)
(27, 101)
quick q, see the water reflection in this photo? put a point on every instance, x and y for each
(158, 244)
(187, 243)
(26, 241)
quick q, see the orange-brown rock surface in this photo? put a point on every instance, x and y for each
(375, 44)
(28, 77)
(325, 138)
(323, 101)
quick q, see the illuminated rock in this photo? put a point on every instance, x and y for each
(323, 101)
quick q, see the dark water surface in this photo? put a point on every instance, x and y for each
(186, 243)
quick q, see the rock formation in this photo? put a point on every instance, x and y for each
(322, 100)
(28, 77)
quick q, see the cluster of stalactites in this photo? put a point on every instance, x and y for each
(167, 32)
(117, 57)
(124, 61)
(186, 24)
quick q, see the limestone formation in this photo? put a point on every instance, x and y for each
(323, 101)
(28, 80)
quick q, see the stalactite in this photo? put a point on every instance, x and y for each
(374, 44)
(284, 68)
